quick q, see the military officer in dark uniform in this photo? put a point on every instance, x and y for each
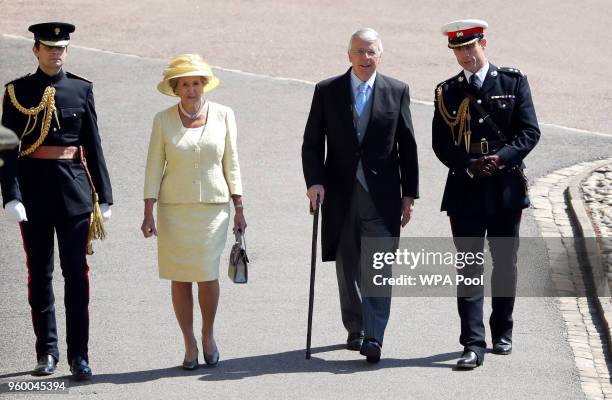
(51, 184)
(484, 125)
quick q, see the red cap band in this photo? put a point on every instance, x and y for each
(465, 32)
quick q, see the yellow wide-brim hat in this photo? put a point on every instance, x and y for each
(187, 65)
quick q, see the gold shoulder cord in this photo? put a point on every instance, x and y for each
(47, 103)
(463, 119)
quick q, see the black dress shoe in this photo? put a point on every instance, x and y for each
(468, 360)
(354, 341)
(371, 349)
(46, 365)
(80, 369)
(502, 346)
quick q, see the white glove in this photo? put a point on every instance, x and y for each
(106, 212)
(15, 211)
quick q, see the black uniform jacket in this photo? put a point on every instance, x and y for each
(55, 188)
(506, 98)
(388, 152)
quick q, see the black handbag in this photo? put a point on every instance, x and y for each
(238, 270)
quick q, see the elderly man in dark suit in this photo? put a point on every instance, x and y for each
(359, 156)
(484, 125)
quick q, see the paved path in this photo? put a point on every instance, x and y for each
(562, 46)
(135, 341)
(572, 273)
(261, 326)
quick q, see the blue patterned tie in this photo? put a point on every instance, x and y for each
(361, 99)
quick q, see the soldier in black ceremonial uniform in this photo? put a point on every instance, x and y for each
(484, 125)
(56, 181)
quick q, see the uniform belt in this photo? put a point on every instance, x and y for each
(485, 147)
(55, 152)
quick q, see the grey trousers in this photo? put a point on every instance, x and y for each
(360, 313)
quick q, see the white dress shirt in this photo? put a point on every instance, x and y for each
(481, 73)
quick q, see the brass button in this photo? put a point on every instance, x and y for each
(479, 101)
(480, 121)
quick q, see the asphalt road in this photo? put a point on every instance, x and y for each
(135, 343)
(561, 45)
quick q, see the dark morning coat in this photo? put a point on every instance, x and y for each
(331, 152)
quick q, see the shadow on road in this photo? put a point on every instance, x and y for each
(294, 362)
(268, 364)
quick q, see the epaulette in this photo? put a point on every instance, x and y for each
(71, 75)
(456, 78)
(15, 80)
(512, 71)
(442, 83)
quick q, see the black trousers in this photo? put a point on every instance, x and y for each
(72, 242)
(502, 232)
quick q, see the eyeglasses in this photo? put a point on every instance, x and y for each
(363, 52)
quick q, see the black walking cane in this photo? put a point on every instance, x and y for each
(313, 265)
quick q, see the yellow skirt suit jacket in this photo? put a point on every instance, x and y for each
(192, 173)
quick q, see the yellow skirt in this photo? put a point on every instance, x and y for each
(190, 240)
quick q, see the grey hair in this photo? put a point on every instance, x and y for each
(367, 34)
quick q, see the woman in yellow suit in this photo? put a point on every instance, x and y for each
(192, 172)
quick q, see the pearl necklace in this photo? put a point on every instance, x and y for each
(193, 116)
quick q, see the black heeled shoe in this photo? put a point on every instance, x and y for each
(212, 359)
(191, 365)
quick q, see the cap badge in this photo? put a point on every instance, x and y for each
(57, 31)
(459, 34)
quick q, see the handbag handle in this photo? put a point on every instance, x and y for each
(240, 240)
